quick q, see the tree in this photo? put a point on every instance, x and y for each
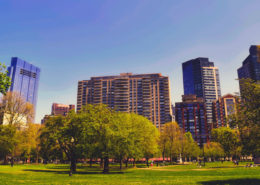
(137, 137)
(100, 120)
(149, 138)
(123, 137)
(30, 140)
(248, 118)
(4, 79)
(190, 148)
(228, 138)
(68, 133)
(171, 138)
(118, 135)
(213, 150)
(8, 142)
(15, 110)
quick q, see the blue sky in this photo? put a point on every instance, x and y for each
(74, 40)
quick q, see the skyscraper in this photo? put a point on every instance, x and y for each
(25, 79)
(201, 78)
(144, 94)
(191, 116)
(251, 65)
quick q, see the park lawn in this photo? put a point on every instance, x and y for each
(211, 174)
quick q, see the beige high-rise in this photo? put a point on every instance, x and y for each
(144, 94)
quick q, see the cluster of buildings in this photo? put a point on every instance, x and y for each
(201, 109)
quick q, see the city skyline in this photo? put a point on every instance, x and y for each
(70, 44)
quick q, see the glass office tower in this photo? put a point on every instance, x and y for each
(201, 78)
(25, 79)
(251, 65)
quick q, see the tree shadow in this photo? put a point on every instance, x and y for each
(232, 182)
(67, 172)
(225, 167)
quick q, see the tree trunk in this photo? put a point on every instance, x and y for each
(90, 162)
(106, 165)
(126, 163)
(12, 161)
(5, 160)
(73, 165)
(37, 158)
(121, 161)
(147, 162)
(134, 163)
(163, 155)
(101, 162)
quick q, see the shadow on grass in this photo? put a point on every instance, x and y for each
(67, 172)
(232, 182)
(225, 167)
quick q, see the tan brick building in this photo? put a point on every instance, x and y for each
(144, 94)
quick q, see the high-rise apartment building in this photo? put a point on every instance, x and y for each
(61, 109)
(201, 78)
(251, 65)
(144, 94)
(222, 108)
(25, 79)
(191, 116)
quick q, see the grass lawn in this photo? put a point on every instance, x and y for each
(211, 174)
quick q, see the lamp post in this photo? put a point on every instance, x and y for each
(71, 156)
(203, 155)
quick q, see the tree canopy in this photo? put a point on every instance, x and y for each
(4, 79)
(97, 131)
(248, 118)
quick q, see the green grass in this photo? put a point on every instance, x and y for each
(211, 174)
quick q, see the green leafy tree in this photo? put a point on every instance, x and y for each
(68, 133)
(101, 121)
(228, 138)
(30, 140)
(190, 148)
(213, 150)
(8, 142)
(171, 137)
(4, 79)
(149, 138)
(124, 137)
(248, 118)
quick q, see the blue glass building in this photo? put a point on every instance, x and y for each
(25, 79)
(201, 78)
(251, 65)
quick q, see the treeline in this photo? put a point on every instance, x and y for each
(97, 132)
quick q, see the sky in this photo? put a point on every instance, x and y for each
(75, 40)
